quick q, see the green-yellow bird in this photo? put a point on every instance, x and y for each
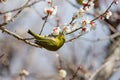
(52, 43)
(79, 2)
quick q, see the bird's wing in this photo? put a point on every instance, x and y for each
(51, 38)
(47, 41)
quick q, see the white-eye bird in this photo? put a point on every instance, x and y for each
(79, 2)
(51, 42)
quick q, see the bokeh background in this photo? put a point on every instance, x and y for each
(41, 63)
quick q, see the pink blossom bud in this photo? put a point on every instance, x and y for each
(51, 10)
(84, 29)
(102, 18)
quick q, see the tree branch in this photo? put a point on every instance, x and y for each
(107, 69)
(19, 37)
(33, 3)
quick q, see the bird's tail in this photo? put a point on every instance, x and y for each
(37, 36)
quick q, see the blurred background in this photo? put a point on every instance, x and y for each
(88, 50)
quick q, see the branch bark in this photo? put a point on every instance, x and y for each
(108, 68)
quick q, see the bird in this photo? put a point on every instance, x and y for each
(50, 42)
(80, 2)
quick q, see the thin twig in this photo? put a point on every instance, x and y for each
(18, 37)
(33, 3)
(14, 34)
(97, 71)
(60, 61)
(79, 68)
(37, 12)
(110, 62)
(75, 37)
(91, 20)
(75, 74)
(26, 41)
(102, 39)
(46, 17)
(1, 55)
(5, 23)
(97, 40)
(73, 18)
(104, 12)
(29, 38)
(74, 30)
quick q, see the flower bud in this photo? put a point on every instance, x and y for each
(56, 31)
(84, 23)
(62, 73)
(51, 10)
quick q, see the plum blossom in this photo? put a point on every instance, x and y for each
(80, 13)
(84, 23)
(88, 5)
(51, 10)
(116, 1)
(56, 30)
(84, 30)
(108, 14)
